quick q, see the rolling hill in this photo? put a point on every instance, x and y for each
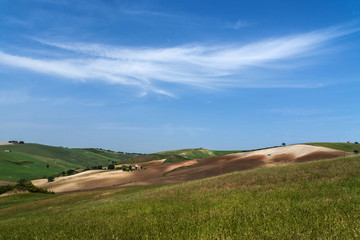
(30, 160)
(180, 171)
(346, 147)
(178, 155)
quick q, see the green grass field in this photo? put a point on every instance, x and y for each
(29, 160)
(346, 147)
(313, 200)
(179, 155)
(111, 154)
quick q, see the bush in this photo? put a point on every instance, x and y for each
(26, 186)
(111, 166)
(32, 188)
(356, 151)
(70, 172)
(7, 188)
(51, 179)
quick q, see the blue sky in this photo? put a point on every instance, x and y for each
(147, 76)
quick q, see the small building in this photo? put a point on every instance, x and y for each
(348, 142)
(136, 167)
(7, 150)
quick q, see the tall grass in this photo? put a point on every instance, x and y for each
(314, 200)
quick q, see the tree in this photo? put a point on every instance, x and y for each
(22, 181)
(356, 151)
(111, 166)
(356, 142)
(47, 165)
(284, 144)
(51, 179)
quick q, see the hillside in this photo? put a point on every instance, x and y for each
(312, 200)
(30, 160)
(178, 155)
(156, 172)
(346, 147)
(119, 156)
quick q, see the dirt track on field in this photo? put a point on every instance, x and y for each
(157, 173)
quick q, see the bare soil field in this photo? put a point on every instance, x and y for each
(155, 172)
(4, 183)
(4, 144)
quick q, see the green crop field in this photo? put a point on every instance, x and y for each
(30, 161)
(313, 200)
(346, 147)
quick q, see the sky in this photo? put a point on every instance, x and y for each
(149, 76)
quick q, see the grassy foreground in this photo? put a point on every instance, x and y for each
(308, 200)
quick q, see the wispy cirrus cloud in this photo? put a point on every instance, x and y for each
(200, 65)
(240, 24)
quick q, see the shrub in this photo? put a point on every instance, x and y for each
(26, 186)
(51, 179)
(4, 189)
(356, 151)
(70, 172)
(111, 166)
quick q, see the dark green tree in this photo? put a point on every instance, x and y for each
(22, 181)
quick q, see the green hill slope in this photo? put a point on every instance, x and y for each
(179, 155)
(346, 147)
(30, 161)
(119, 156)
(313, 200)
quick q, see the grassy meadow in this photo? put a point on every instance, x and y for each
(313, 200)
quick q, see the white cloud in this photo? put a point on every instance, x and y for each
(207, 66)
(240, 24)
